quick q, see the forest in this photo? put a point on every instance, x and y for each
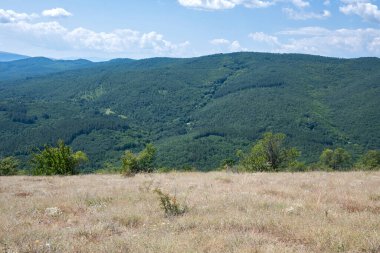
(198, 112)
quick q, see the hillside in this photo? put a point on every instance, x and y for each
(197, 111)
(37, 66)
(5, 57)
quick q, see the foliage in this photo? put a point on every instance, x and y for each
(181, 106)
(269, 154)
(8, 166)
(170, 205)
(58, 160)
(142, 162)
(370, 160)
(337, 159)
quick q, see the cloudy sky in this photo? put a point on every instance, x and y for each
(137, 29)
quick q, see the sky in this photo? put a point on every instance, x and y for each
(101, 30)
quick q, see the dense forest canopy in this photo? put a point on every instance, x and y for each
(197, 111)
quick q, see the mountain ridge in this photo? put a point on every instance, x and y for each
(198, 111)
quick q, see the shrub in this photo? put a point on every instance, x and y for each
(8, 166)
(169, 204)
(142, 162)
(58, 160)
(337, 159)
(370, 160)
(269, 154)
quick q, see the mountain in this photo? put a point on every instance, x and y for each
(37, 66)
(197, 111)
(5, 57)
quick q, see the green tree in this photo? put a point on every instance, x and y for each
(8, 166)
(269, 154)
(136, 163)
(58, 160)
(370, 160)
(335, 159)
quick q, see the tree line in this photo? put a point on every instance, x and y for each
(268, 154)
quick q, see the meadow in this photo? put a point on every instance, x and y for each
(248, 212)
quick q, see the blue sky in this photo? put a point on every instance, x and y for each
(185, 28)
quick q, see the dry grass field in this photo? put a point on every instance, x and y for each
(263, 212)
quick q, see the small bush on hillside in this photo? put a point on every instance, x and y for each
(169, 204)
(58, 160)
(142, 162)
(370, 160)
(338, 159)
(8, 166)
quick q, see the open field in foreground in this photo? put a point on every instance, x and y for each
(283, 212)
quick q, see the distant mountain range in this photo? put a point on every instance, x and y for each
(197, 111)
(4, 57)
(32, 67)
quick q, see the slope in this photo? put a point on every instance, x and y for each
(198, 111)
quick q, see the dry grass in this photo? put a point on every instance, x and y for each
(284, 212)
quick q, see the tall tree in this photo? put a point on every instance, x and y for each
(270, 154)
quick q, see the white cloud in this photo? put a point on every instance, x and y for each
(235, 47)
(208, 4)
(362, 8)
(296, 15)
(225, 4)
(262, 37)
(10, 16)
(307, 31)
(56, 13)
(326, 2)
(37, 29)
(258, 4)
(229, 4)
(220, 42)
(226, 45)
(117, 41)
(321, 41)
(300, 3)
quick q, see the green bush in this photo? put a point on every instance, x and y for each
(169, 204)
(58, 160)
(269, 154)
(370, 160)
(142, 162)
(8, 166)
(338, 159)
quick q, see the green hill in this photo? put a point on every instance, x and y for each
(38, 66)
(197, 111)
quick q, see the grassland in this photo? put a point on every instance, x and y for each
(263, 212)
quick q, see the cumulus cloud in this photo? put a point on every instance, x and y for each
(227, 45)
(322, 41)
(117, 41)
(300, 3)
(362, 8)
(266, 38)
(229, 4)
(297, 15)
(225, 4)
(10, 16)
(56, 13)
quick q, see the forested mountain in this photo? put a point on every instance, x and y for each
(37, 66)
(5, 56)
(197, 111)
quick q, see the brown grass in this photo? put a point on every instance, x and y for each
(283, 212)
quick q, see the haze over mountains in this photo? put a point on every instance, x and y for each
(197, 111)
(5, 57)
